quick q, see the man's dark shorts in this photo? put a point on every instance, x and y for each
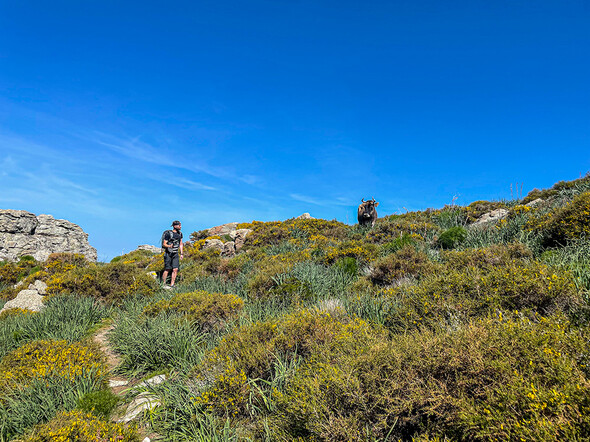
(171, 261)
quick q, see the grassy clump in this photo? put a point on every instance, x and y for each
(101, 403)
(65, 317)
(209, 311)
(78, 426)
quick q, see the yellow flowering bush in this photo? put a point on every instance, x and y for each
(456, 295)
(417, 224)
(351, 249)
(207, 310)
(505, 378)
(78, 426)
(249, 353)
(110, 282)
(47, 358)
(15, 312)
(275, 232)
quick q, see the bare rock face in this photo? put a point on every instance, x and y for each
(23, 233)
(305, 216)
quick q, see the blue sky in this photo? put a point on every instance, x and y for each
(122, 116)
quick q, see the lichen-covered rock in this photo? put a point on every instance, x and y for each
(213, 244)
(23, 233)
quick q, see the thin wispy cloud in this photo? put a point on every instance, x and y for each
(141, 151)
(319, 202)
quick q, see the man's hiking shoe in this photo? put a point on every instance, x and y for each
(167, 287)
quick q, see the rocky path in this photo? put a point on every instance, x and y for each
(120, 384)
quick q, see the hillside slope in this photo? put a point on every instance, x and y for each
(460, 323)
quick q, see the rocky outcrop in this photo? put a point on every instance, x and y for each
(23, 233)
(230, 248)
(305, 216)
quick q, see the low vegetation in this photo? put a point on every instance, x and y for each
(428, 326)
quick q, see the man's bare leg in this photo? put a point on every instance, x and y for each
(164, 276)
(173, 277)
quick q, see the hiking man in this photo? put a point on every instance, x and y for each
(172, 243)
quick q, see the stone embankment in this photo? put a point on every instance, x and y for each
(24, 233)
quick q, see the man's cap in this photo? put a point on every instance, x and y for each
(175, 223)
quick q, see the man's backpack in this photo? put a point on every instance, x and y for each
(167, 233)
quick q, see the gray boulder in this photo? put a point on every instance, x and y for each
(27, 300)
(494, 215)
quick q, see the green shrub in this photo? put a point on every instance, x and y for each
(100, 403)
(452, 237)
(401, 264)
(208, 310)
(148, 344)
(110, 282)
(504, 379)
(250, 353)
(566, 224)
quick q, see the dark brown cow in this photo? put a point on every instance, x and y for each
(367, 213)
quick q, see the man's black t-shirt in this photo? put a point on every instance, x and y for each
(175, 238)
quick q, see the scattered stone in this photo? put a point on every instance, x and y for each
(23, 233)
(494, 215)
(27, 300)
(153, 381)
(153, 275)
(144, 401)
(113, 383)
(534, 203)
(305, 216)
(147, 439)
(40, 286)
